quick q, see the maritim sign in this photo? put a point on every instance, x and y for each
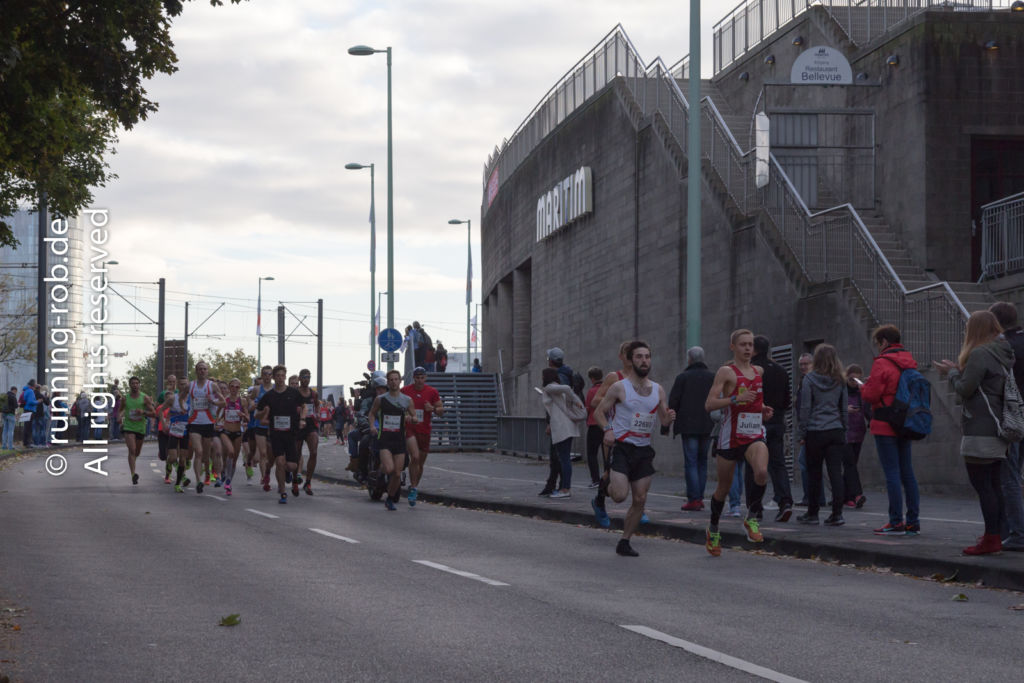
(568, 201)
(821, 66)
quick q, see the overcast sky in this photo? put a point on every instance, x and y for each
(240, 174)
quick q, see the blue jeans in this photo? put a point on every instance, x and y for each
(1013, 504)
(695, 451)
(894, 456)
(8, 435)
(736, 490)
(38, 422)
(564, 451)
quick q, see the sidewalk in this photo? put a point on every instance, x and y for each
(510, 484)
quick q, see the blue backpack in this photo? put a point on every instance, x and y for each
(909, 414)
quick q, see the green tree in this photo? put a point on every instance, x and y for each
(70, 73)
(235, 364)
(145, 370)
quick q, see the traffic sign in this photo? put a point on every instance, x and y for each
(370, 365)
(389, 339)
(386, 357)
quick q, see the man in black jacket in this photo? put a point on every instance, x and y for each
(693, 423)
(1013, 505)
(777, 395)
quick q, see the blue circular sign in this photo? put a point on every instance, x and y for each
(390, 339)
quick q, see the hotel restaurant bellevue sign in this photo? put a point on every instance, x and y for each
(821, 66)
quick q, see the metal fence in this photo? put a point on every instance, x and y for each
(752, 21)
(470, 420)
(1002, 237)
(525, 436)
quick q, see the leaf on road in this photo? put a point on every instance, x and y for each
(960, 597)
(147, 512)
(946, 579)
(231, 620)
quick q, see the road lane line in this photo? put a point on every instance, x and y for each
(330, 535)
(459, 572)
(713, 655)
(219, 500)
(262, 514)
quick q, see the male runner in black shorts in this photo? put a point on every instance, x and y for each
(282, 409)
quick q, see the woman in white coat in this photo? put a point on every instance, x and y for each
(565, 410)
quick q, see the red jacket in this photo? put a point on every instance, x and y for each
(880, 388)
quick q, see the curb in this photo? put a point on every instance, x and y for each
(991, 575)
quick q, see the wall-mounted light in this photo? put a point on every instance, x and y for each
(769, 60)
(744, 76)
(892, 60)
(991, 45)
(798, 41)
(862, 76)
(1017, 6)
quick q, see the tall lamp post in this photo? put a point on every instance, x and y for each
(364, 51)
(259, 315)
(469, 279)
(373, 254)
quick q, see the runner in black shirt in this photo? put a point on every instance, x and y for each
(282, 407)
(392, 411)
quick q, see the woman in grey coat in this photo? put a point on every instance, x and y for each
(823, 419)
(978, 377)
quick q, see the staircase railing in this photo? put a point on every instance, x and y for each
(1002, 236)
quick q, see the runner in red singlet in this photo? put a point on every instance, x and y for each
(738, 393)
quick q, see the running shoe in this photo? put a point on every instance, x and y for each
(178, 489)
(734, 511)
(600, 514)
(912, 529)
(835, 520)
(206, 479)
(185, 482)
(295, 489)
(693, 506)
(785, 512)
(593, 485)
(892, 530)
(625, 549)
(135, 479)
(859, 503)
(560, 494)
(266, 482)
(248, 472)
(807, 518)
(388, 504)
(167, 480)
(308, 489)
(413, 494)
(644, 519)
(227, 489)
(217, 481)
(298, 479)
(287, 477)
(713, 544)
(199, 487)
(283, 500)
(753, 530)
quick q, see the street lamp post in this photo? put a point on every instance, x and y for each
(469, 279)
(259, 315)
(363, 51)
(373, 255)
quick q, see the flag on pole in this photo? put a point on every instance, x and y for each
(376, 323)
(469, 277)
(259, 311)
(373, 240)
(473, 327)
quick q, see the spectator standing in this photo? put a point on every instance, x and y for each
(476, 366)
(28, 403)
(82, 410)
(441, 357)
(10, 409)
(821, 428)
(562, 407)
(594, 432)
(978, 376)
(777, 395)
(419, 348)
(804, 363)
(856, 428)
(41, 421)
(115, 425)
(1012, 532)
(429, 355)
(893, 451)
(693, 424)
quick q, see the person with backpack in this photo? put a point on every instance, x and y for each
(1013, 503)
(28, 402)
(893, 448)
(979, 378)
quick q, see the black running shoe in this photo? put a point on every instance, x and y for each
(135, 478)
(625, 549)
(807, 518)
(199, 486)
(835, 520)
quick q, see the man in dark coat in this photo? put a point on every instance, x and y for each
(693, 423)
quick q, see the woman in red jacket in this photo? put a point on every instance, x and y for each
(893, 451)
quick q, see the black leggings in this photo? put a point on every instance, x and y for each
(595, 436)
(986, 481)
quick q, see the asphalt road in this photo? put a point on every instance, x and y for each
(113, 582)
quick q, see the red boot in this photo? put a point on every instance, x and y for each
(987, 544)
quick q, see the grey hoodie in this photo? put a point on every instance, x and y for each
(985, 371)
(822, 405)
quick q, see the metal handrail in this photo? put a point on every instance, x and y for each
(1005, 200)
(1002, 236)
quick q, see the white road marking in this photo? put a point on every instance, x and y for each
(261, 514)
(219, 500)
(713, 655)
(459, 572)
(330, 535)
